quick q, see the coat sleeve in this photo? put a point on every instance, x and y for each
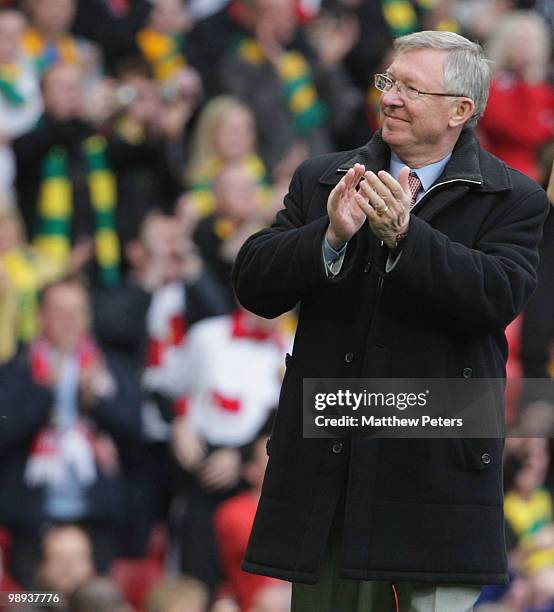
(281, 265)
(25, 408)
(485, 286)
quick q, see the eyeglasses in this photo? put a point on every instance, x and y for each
(383, 82)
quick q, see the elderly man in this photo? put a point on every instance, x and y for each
(413, 272)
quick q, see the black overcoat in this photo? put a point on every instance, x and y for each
(416, 509)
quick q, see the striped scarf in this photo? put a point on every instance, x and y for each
(65, 50)
(299, 91)
(55, 207)
(163, 52)
(201, 189)
(9, 73)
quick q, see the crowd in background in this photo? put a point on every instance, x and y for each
(141, 142)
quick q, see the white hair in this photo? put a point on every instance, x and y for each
(466, 70)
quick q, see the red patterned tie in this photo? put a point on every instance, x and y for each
(415, 185)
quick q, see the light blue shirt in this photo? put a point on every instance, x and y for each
(427, 175)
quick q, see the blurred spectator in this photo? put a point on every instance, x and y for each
(20, 100)
(519, 117)
(166, 291)
(98, 595)
(230, 367)
(151, 177)
(234, 519)
(71, 457)
(112, 24)
(32, 401)
(225, 133)
(184, 594)
(23, 272)
(162, 40)
(65, 181)
(66, 171)
(529, 511)
(48, 39)
(220, 235)
(380, 23)
(212, 37)
(66, 561)
(296, 99)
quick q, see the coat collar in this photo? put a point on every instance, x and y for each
(468, 165)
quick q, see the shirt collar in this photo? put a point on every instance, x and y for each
(427, 174)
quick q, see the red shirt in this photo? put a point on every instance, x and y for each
(519, 119)
(233, 522)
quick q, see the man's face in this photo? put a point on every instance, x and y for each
(67, 560)
(51, 16)
(64, 315)
(275, 19)
(63, 92)
(146, 106)
(413, 125)
(236, 193)
(169, 16)
(11, 28)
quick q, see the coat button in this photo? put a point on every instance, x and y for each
(367, 267)
(486, 458)
(349, 357)
(337, 448)
(467, 372)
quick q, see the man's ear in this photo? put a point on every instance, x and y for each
(463, 109)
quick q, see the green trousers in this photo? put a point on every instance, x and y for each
(334, 594)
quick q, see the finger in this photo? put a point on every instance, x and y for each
(403, 180)
(338, 191)
(379, 187)
(394, 186)
(367, 209)
(379, 203)
(358, 171)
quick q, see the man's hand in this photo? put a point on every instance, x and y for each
(221, 470)
(188, 447)
(344, 207)
(95, 384)
(386, 203)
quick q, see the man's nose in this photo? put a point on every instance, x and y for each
(391, 97)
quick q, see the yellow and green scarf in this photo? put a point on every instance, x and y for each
(201, 189)
(163, 52)
(28, 272)
(55, 207)
(9, 73)
(65, 50)
(299, 90)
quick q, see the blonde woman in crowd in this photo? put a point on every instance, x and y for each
(225, 133)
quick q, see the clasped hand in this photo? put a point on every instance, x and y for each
(380, 198)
